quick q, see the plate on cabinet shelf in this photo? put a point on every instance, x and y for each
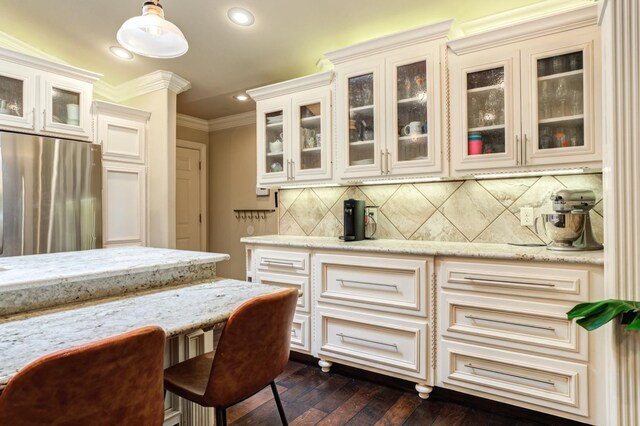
(358, 143)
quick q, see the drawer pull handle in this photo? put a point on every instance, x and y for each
(475, 367)
(278, 262)
(539, 327)
(491, 281)
(366, 283)
(344, 336)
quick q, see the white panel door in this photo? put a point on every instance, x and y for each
(188, 209)
(124, 194)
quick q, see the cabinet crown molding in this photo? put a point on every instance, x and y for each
(230, 121)
(514, 32)
(48, 66)
(190, 122)
(393, 41)
(157, 80)
(291, 86)
(129, 112)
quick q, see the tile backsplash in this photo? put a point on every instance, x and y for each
(485, 211)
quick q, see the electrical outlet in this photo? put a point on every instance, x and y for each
(526, 216)
(373, 214)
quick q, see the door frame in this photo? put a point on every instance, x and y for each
(202, 147)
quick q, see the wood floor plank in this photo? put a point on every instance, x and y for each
(335, 399)
(400, 411)
(451, 415)
(376, 408)
(312, 380)
(310, 417)
(425, 414)
(352, 406)
(322, 391)
(240, 409)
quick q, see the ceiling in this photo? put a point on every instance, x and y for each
(286, 41)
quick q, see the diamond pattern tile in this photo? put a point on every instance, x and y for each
(379, 194)
(438, 192)
(286, 197)
(329, 196)
(329, 226)
(308, 210)
(438, 228)
(507, 229)
(507, 191)
(289, 226)
(471, 209)
(407, 209)
(352, 192)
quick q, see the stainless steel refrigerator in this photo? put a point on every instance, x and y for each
(50, 195)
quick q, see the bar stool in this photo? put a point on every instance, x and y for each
(117, 380)
(253, 350)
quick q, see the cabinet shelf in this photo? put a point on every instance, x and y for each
(312, 150)
(315, 118)
(486, 128)
(560, 119)
(414, 100)
(560, 75)
(271, 125)
(361, 143)
(361, 108)
(411, 138)
(486, 88)
(275, 154)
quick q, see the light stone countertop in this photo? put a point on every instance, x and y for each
(177, 311)
(432, 248)
(45, 280)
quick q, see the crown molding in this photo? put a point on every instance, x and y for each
(156, 80)
(312, 81)
(390, 42)
(45, 64)
(127, 111)
(525, 23)
(231, 121)
(190, 122)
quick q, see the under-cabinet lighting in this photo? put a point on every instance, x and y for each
(391, 181)
(524, 174)
(302, 186)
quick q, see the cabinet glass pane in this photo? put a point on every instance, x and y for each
(65, 106)
(361, 123)
(560, 101)
(486, 112)
(412, 112)
(310, 137)
(11, 96)
(274, 139)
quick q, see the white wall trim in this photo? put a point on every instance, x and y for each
(203, 186)
(121, 110)
(231, 121)
(190, 122)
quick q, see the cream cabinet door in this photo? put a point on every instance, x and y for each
(65, 106)
(273, 141)
(122, 139)
(124, 204)
(17, 96)
(560, 99)
(485, 110)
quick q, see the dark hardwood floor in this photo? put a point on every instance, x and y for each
(311, 397)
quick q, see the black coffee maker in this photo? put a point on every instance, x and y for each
(353, 220)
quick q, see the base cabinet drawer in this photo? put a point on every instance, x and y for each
(289, 281)
(301, 334)
(545, 382)
(374, 342)
(378, 283)
(539, 327)
(282, 261)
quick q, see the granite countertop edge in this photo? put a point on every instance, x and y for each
(433, 248)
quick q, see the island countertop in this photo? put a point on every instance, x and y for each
(432, 248)
(45, 280)
(176, 311)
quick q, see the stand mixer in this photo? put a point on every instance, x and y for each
(569, 227)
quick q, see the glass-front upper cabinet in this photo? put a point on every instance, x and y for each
(484, 112)
(274, 163)
(311, 143)
(17, 91)
(558, 118)
(66, 105)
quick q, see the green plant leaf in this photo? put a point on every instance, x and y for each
(596, 314)
(635, 324)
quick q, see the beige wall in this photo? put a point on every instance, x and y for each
(232, 183)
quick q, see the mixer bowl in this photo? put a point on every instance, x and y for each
(564, 228)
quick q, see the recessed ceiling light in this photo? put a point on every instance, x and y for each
(241, 16)
(121, 52)
(241, 97)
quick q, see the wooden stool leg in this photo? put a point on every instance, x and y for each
(283, 418)
(221, 416)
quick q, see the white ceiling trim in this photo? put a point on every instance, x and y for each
(157, 80)
(231, 121)
(291, 86)
(47, 65)
(190, 122)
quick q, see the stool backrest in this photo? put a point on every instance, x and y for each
(117, 380)
(253, 348)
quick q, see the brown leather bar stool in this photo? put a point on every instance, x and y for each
(112, 381)
(253, 350)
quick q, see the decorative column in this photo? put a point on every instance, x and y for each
(620, 21)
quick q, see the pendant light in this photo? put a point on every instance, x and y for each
(151, 35)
